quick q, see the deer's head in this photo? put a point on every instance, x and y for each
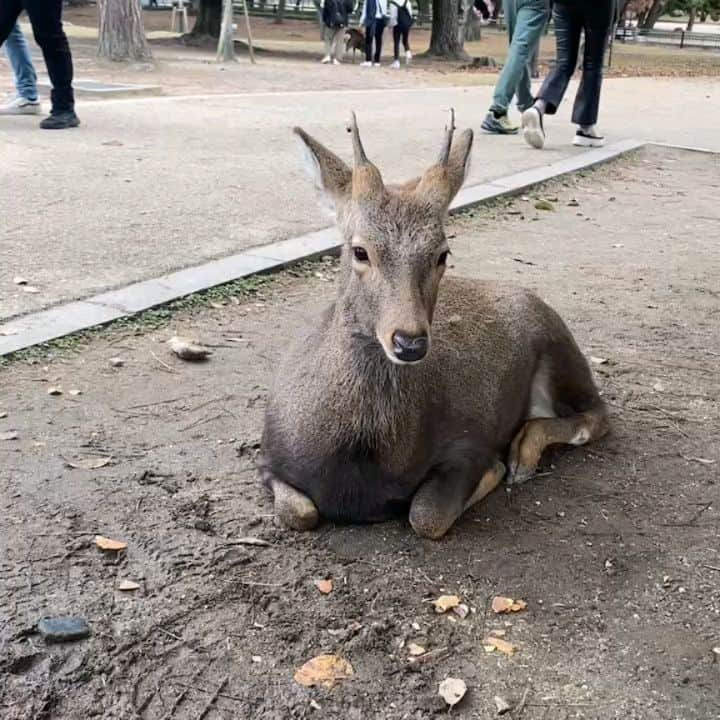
(395, 251)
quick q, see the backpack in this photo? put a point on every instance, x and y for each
(404, 18)
(331, 15)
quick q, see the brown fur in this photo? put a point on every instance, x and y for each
(359, 436)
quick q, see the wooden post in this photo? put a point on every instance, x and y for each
(226, 44)
(249, 32)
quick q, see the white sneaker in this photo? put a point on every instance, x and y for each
(326, 60)
(376, 64)
(532, 128)
(21, 106)
(395, 65)
(336, 61)
(365, 63)
(589, 137)
(408, 57)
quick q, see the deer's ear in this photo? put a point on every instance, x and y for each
(329, 173)
(442, 182)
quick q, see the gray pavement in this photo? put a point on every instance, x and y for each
(151, 185)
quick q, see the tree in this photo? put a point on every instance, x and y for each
(208, 20)
(445, 41)
(280, 14)
(121, 33)
(226, 43)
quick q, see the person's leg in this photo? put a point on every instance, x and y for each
(379, 29)
(396, 43)
(597, 20)
(369, 35)
(9, 12)
(18, 54)
(328, 35)
(46, 19)
(526, 20)
(406, 39)
(568, 26)
(336, 47)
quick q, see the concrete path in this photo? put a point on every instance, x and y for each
(150, 185)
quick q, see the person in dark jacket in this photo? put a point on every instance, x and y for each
(335, 15)
(373, 18)
(46, 20)
(571, 18)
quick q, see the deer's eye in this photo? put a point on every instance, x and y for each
(442, 260)
(361, 255)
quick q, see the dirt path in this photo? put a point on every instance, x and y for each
(615, 547)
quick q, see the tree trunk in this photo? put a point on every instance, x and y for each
(653, 15)
(121, 34)
(444, 40)
(472, 27)
(280, 14)
(226, 43)
(691, 17)
(209, 19)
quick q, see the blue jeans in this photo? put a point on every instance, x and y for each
(18, 52)
(526, 21)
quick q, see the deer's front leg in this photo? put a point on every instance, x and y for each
(294, 509)
(446, 494)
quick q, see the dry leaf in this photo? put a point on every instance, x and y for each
(259, 542)
(30, 289)
(3, 415)
(507, 605)
(108, 544)
(54, 391)
(9, 435)
(90, 462)
(415, 650)
(502, 705)
(20, 281)
(544, 205)
(325, 670)
(116, 362)
(76, 392)
(187, 349)
(127, 585)
(324, 586)
(446, 602)
(452, 690)
(598, 360)
(499, 644)
(6, 332)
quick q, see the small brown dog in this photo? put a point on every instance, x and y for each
(354, 39)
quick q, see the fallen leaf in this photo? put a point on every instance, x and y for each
(502, 705)
(54, 391)
(452, 690)
(8, 435)
(30, 289)
(462, 610)
(217, 306)
(415, 650)
(446, 602)
(20, 280)
(76, 392)
(90, 462)
(544, 205)
(128, 585)
(108, 544)
(489, 648)
(6, 332)
(325, 670)
(116, 362)
(499, 644)
(324, 586)
(598, 360)
(507, 605)
(187, 349)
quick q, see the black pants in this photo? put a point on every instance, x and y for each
(45, 18)
(374, 31)
(398, 33)
(571, 18)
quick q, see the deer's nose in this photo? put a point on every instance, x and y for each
(409, 348)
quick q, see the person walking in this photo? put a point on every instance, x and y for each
(335, 14)
(46, 20)
(571, 18)
(525, 21)
(373, 18)
(25, 101)
(401, 20)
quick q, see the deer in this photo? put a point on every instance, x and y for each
(415, 394)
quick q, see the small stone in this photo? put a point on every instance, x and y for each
(20, 281)
(462, 611)
(54, 391)
(116, 362)
(502, 705)
(63, 629)
(3, 415)
(75, 392)
(256, 659)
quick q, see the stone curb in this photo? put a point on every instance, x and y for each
(50, 324)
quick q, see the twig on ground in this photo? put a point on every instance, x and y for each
(214, 698)
(202, 421)
(712, 567)
(693, 519)
(181, 697)
(523, 701)
(153, 404)
(164, 364)
(206, 692)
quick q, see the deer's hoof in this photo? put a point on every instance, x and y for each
(294, 509)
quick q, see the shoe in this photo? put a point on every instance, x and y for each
(336, 61)
(588, 138)
(498, 125)
(532, 127)
(60, 120)
(326, 60)
(365, 63)
(21, 106)
(408, 57)
(376, 64)
(395, 65)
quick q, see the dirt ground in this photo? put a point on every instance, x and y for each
(614, 547)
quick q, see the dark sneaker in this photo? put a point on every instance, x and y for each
(60, 120)
(588, 138)
(498, 125)
(533, 130)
